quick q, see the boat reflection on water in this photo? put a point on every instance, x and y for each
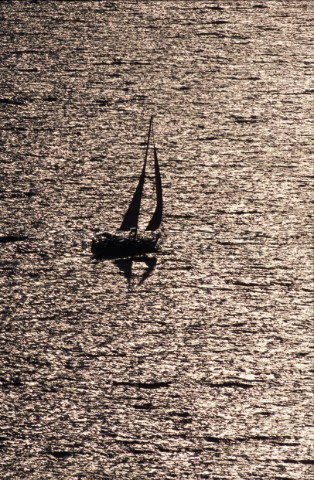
(125, 265)
(127, 241)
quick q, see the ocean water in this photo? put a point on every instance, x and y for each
(194, 363)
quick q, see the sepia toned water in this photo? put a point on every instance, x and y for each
(193, 363)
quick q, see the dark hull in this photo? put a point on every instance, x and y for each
(122, 248)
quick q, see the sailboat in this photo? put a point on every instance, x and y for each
(128, 241)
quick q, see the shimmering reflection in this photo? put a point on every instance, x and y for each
(194, 363)
(126, 267)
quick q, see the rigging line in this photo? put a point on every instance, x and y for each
(153, 138)
(148, 139)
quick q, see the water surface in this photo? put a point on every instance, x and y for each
(195, 363)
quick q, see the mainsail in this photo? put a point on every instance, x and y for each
(130, 220)
(156, 219)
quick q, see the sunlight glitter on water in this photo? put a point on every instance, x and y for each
(193, 363)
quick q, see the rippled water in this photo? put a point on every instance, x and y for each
(195, 363)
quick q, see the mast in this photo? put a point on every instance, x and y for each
(130, 219)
